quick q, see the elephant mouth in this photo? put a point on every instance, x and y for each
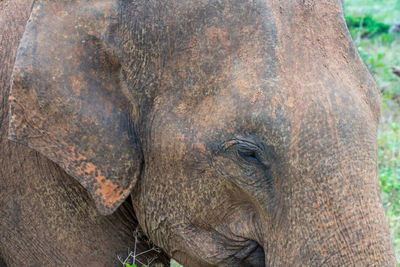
(251, 255)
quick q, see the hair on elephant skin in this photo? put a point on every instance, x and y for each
(243, 131)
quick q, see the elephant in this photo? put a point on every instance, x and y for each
(244, 132)
(46, 217)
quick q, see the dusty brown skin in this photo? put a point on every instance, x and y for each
(245, 131)
(46, 217)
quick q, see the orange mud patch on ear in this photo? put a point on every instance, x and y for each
(106, 192)
(106, 189)
(89, 167)
(109, 192)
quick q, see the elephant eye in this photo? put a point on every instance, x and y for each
(248, 151)
(250, 156)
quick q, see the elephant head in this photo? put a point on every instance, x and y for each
(245, 131)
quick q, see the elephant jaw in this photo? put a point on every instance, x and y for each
(252, 255)
(230, 243)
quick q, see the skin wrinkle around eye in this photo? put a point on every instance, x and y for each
(253, 174)
(250, 151)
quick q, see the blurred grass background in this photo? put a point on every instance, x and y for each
(370, 23)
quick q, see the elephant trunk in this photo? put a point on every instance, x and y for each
(333, 227)
(331, 207)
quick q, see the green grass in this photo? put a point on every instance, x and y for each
(386, 11)
(175, 264)
(381, 51)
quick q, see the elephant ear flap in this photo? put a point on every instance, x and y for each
(95, 147)
(91, 144)
(70, 108)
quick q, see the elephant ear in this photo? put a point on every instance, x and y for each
(67, 103)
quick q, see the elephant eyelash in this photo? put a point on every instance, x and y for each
(250, 156)
(248, 151)
(241, 144)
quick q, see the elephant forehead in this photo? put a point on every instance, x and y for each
(186, 127)
(70, 19)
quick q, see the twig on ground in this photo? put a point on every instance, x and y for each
(133, 257)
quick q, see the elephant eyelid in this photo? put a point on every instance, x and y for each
(248, 150)
(244, 144)
(249, 155)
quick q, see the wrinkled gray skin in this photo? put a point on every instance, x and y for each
(46, 217)
(245, 131)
